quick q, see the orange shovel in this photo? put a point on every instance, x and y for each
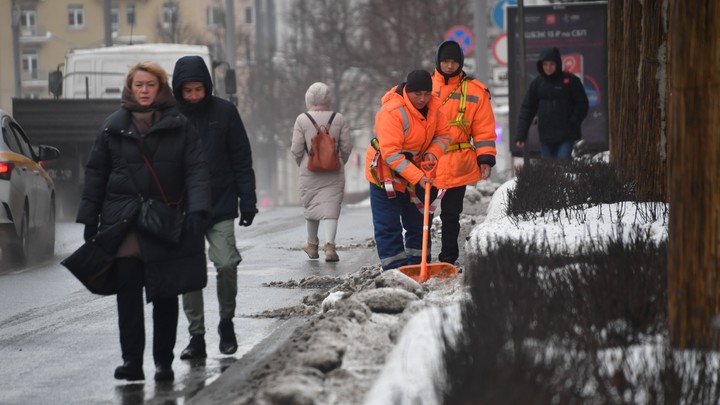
(423, 271)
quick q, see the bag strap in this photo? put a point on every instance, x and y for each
(337, 144)
(152, 171)
(157, 182)
(317, 127)
(141, 147)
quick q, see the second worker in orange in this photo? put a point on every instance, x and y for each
(466, 103)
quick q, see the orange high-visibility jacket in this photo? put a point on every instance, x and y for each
(459, 167)
(403, 132)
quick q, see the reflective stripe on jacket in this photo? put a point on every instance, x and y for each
(459, 167)
(405, 136)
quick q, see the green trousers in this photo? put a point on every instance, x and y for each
(225, 256)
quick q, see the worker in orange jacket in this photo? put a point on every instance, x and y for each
(466, 102)
(409, 129)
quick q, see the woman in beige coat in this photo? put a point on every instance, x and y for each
(321, 192)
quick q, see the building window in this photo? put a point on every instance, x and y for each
(170, 16)
(130, 14)
(28, 22)
(215, 16)
(115, 17)
(248, 15)
(30, 64)
(76, 16)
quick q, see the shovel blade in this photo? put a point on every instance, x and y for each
(434, 270)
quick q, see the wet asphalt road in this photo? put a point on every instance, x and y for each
(59, 343)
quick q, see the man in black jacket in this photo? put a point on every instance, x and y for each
(559, 100)
(232, 177)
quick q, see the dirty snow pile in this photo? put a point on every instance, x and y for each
(337, 356)
(368, 331)
(376, 339)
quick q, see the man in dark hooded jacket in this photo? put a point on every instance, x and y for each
(232, 177)
(559, 100)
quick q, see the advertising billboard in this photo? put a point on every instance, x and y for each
(579, 31)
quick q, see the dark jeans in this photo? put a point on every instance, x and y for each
(451, 207)
(131, 317)
(559, 151)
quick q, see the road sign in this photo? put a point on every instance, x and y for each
(500, 76)
(463, 36)
(500, 49)
(498, 12)
(469, 65)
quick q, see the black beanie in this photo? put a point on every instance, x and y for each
(450, 50)
(418, 80)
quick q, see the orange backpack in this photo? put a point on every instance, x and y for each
(323, 155)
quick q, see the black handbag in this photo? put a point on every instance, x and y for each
(160, 219)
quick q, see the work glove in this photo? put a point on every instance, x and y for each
(90, 231)
(246, 217)
(196, 222)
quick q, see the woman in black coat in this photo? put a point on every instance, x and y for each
(116, 178)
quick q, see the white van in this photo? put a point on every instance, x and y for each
(99, 72)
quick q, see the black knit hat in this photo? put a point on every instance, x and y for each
(418, 80)
(450, 50)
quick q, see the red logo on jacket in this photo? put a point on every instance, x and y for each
(566, 80)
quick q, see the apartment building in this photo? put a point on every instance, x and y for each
(36, 34)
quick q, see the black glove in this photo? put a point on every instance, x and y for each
(246, 217)
(90, 231)
(196, 222)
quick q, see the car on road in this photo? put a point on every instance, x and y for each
(27, 195)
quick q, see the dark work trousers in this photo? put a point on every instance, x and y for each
(451, 207)
(131, 317)
(392, 216)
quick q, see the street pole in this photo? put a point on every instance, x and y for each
(230, 46)
(107, 22)
(481, 42)
(521, 32)
(15, 24)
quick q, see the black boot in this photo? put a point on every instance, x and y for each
(164, 372)
(131, 371)
(228, 343)
(195, 349)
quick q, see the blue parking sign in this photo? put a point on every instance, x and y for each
(463, 36)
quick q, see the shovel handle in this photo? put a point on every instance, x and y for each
(426, 234)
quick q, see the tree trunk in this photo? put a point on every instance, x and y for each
(694, 174)
(623, 59)
(637, 35)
